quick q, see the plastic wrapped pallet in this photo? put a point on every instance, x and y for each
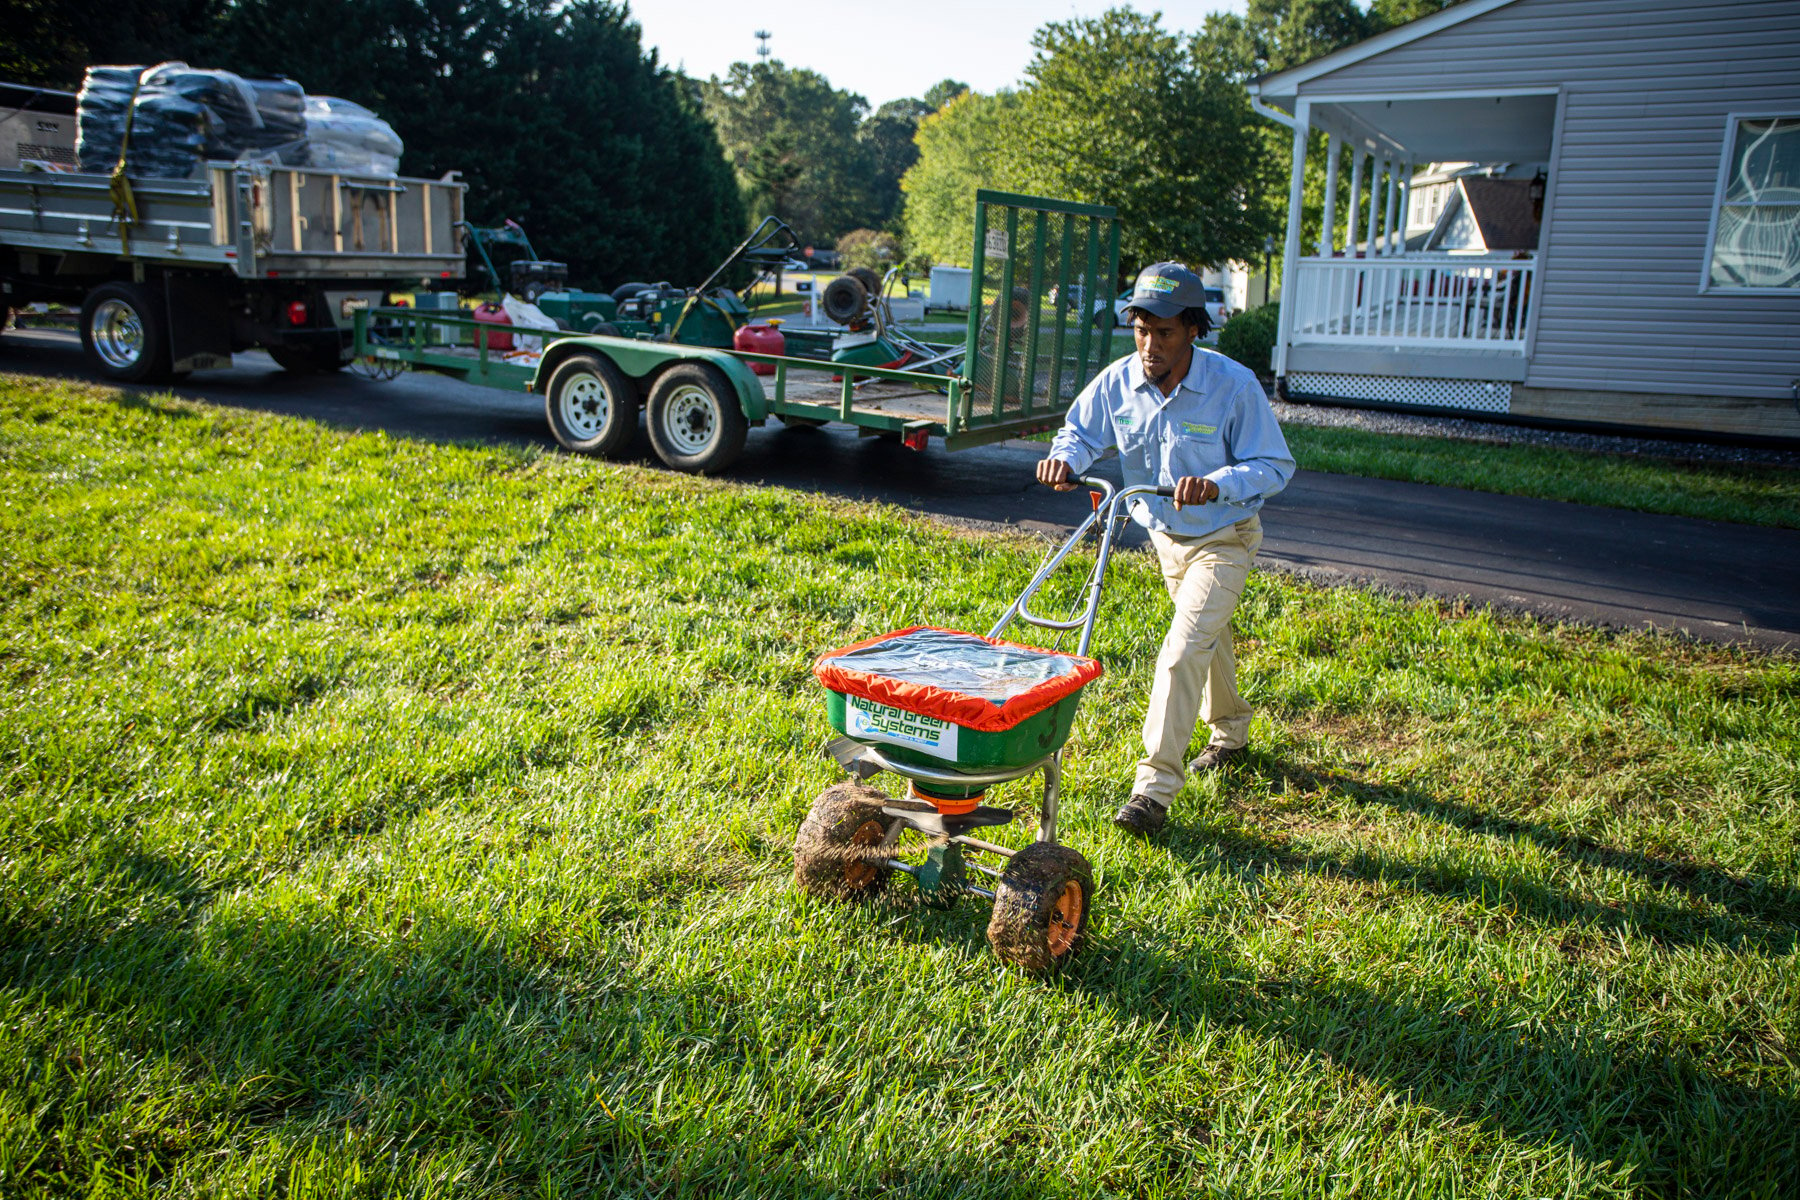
(348, 138)
(180, 117)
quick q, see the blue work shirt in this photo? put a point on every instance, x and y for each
(1217, 424)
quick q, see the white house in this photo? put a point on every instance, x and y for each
(1630, 256)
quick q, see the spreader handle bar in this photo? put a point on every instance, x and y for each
(1108, 508)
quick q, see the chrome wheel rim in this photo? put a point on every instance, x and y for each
(585, 406)
(690, 420)
(118, 334)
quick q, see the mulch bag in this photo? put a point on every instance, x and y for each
(349, 139)
(180, 117)
(977, 682)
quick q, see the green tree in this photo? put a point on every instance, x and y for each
(886, 139)
(959, 151)
(876, 249)
(554, 113)
(792, 138)
(51, 43)
(1118, 111)
(943, 92)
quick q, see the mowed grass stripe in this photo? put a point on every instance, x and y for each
(1749, 494)
(391, 818)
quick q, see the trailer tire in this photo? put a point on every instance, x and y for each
(125, 333)
(695, 422)
(1041, 907)
(591, 405)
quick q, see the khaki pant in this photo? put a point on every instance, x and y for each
(1196, 671)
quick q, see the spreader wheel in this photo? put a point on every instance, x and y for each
(834, 854)
(1041, 907)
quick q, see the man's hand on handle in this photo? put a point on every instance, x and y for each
(1054, 472)
(1195, 489)
(1189, 489)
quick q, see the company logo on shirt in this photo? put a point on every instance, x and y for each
(1195, 429)
(1127, 420)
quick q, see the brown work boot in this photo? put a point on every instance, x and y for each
(1140, 815)
(1214, 757)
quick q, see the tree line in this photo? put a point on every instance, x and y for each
(560, 118)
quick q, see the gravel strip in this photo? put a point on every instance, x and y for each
(1381, 421)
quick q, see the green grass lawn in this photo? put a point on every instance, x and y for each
(1755, 495)
(393, 819)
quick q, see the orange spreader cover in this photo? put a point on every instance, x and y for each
(973, 681)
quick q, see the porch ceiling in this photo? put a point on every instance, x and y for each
(1446, 129)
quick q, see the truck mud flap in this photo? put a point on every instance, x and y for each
(199, 313)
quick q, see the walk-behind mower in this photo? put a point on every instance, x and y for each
(954, 714)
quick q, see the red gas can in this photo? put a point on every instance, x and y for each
(492, 314)
(760, 339)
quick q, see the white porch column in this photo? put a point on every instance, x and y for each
(1406, 174)
(1350, 213)
(1393, 191)
(1327, 226)
(1290, 251)
(1374, 205)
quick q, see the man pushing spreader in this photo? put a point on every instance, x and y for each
(1194, 420)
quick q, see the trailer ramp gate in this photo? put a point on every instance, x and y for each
(1040, 317)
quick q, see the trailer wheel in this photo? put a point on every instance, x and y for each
(1041, 907)
(695, 422)
(591, 405)
(833, 856)
(125, 333)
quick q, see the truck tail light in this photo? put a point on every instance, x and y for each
(297, 313)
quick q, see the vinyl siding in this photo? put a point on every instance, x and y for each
(1648, 86)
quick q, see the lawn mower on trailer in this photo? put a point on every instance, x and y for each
(955, 714)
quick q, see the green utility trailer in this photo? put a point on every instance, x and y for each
(1022, 361)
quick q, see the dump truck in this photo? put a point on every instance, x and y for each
(177, 275)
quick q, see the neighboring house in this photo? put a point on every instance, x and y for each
(1633, 259)
(1485, 215)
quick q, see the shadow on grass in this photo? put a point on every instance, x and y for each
(1682, 1129)
(389, 1057)
(1750, 913)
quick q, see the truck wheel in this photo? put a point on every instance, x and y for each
(832, 855)
(125, 334)
(591, 405)
(307, 360)
(1041, 907)
(695, 422)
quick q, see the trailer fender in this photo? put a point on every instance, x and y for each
(644, 360)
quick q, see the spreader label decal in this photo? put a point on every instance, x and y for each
(884, 723)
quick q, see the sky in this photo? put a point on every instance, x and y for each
(881, 51)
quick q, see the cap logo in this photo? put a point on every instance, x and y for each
(1158, 283)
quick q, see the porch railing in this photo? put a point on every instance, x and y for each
(1437, 300)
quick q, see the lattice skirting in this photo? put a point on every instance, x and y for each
(1476, 394)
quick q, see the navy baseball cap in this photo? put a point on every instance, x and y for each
(1165, 289)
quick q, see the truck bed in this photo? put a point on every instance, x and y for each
(252, 220)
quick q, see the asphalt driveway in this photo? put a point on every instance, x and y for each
(1711, 580)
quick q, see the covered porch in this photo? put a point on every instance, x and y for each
(1363, 317)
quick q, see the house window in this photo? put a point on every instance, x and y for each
(1756, 218)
